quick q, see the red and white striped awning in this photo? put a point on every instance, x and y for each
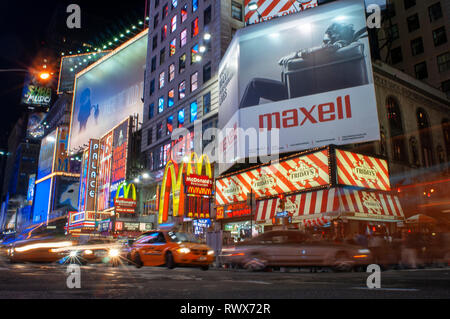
(317, 208)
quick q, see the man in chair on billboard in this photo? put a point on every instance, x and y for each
(337, 36)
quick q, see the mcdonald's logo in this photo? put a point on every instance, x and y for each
(173, 181)
(126, 190)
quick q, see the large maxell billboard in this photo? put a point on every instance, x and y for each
(297, 82)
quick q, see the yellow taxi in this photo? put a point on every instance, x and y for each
(170, 248)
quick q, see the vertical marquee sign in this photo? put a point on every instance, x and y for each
(88, 179)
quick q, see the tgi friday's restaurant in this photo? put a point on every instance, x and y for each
(328, 190)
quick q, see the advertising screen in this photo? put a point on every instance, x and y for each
(119, 158)
(46, 155)
(296, 174)
(41, 201)
(362, 171)
(36, 96)
(304, 79)
(108, 92)
(104, 174)
(30, 192)
(71, 65)
(269, 9)
(34, 128)
(62, 162)
(66, 193)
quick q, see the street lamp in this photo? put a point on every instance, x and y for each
(253, 6)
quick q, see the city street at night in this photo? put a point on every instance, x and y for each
(48, 281)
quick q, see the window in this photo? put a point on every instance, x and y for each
(393, 32)
(173, 47)
(435, 12)
(173, 24)
(413, 22)
(151, 111)
(174, 4)
(161, 105)
(181, 118)
(155, 42)
(159, 130)
(161, 80)
(171, 98)
(445, 86)
(194, 81)
(439, 36)
(163, 32)
(396, 55)
(446, 133)
(169, 125)
(207, 15)
(152, 87)
(194, 28)
(236, 10)
(194, 5)
(153, 64)
(207, 103)
(399, 152)
(193, 111)
(443, 62)
(162, 56)
(182, 63)
(156, 3)
(184, 13)
(183, 38)
(425, 137)
(409, 3)
(207, 72)
(417, 46)
(194, 52)
(149, 137)
(171, 72)
(182, 90)
(421, 70)
(165, 11)
(156, 21)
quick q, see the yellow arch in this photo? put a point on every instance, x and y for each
(126, 190)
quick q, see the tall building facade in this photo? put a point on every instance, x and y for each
(186, 43)
(415, 38)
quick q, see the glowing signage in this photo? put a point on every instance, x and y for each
(36, 96)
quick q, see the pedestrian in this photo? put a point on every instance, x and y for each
(376, 246)
(409, 249)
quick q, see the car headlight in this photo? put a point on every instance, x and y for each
(184, 250)
(210, 252)
(88, 252)
(363, 251)
(113, 252)
(73, 253)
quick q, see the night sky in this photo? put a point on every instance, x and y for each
(29, 27)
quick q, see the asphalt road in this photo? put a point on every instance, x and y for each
(48, 281)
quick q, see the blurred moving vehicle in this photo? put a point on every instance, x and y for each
(170, 248)
(293, 248)
(94, 250)
(37, 250)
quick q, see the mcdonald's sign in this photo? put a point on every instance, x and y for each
(125, 204)
(173, 183)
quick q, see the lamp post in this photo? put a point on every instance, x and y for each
(253, 6)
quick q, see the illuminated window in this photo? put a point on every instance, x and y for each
(173, 24)
(161, 105)
(171, 72)
(184, 13)
(193, 111)
(182, 63)
(174, 4)
(163, 32)
(195, 28)
(181, 118)
(170, 125)
(182, 90)
(194, 5)
(236, 10)
(161, 80)
(165, 11)
(173, 47)
(194, 52)
(183, 38)
(171, 98)
(194, 81)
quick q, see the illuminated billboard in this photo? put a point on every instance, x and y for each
(287, 176)
(66, 193)
(326, 94)
(104, 173)
(88, 177)
(42, 201)
(108, 91)
(62, 163)
(270, 9)
(34, 95)
(46, 153)
(34, 128)
(362, 171)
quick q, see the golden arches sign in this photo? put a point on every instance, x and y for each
(126, 190)
(173, 181)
